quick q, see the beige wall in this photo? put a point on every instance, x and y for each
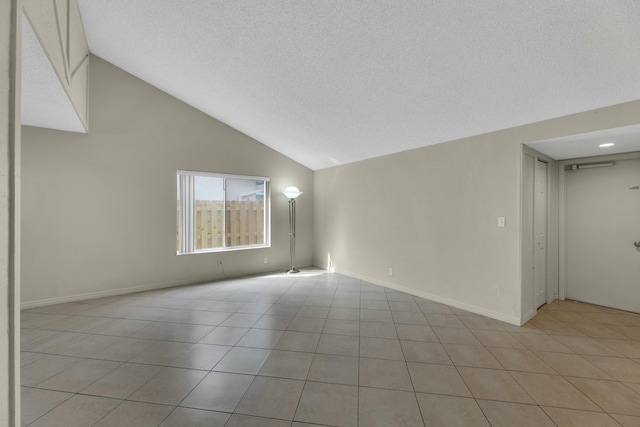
(99, 209)
(10, 36)
(431, 214)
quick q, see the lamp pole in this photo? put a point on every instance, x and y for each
(292, 193)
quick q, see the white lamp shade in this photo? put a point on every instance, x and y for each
(291, 192)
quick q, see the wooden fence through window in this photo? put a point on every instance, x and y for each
(245, 223)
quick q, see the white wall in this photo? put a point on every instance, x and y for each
(99, 209)
(431, 214)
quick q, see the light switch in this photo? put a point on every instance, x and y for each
(502, 221)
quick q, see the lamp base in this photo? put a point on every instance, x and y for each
(292, 270)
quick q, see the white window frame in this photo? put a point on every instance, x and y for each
(186, 195)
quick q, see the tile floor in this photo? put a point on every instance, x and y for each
(322, 349)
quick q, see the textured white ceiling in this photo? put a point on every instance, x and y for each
(331, 82)
(44, 101)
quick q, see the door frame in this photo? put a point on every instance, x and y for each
(528, 309)
(563, 165)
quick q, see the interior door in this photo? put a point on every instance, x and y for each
(540, 233)
(602, 224)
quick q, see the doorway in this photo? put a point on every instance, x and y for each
(602, 225)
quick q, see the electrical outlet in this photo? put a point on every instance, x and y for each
(391, 271)
(265, 260)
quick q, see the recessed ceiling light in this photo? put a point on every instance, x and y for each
(606, 144)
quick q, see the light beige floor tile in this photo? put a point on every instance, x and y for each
(450, 411)
(625, 347)
(36, 402)
(162, 353)
(576, 418)
(569, 317)
(408, 318)
(553, 390)
(437, 379)
(573, 365)
(45, 368)
(287, 364)
(611, 396)
(271, 398)
(90, 346)
(385, 408)
(621, 369)
(298, 341)
(181, 417)
(260, 338)
(497, 339)
(80, 375)
(541, 342)
(505, 414)
(338, 344)
(238, 420)
(494, 385)
(122, 381)
(455, 336)
(28, 357)
(626, 420)
(126, 349)
(169, 386)
(416, 333)
(555, 327)
(243, 360)
(444, 320)
(480, 322)
(425, 352)
(471, 355)
(79, 411)
(381, 348)
(376, 316)
(201, 356)
(520, 360)
(430, 307)
(391, 374)
(224, 335)
(212, 318)
(330, 368)
(306, 324)
(342, 327)
(274, 321)
(218, 391)
(588, 346)
(135, 414)
(374, 305)
(595, 330)
(403, 306)
(122, 327)
(330, 404)
(241, 320)
(378, 330)
(339, 312)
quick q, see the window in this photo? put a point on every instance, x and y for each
(217, 212)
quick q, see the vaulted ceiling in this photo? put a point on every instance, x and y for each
(331, 82)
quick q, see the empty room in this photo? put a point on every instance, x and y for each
(320, 213)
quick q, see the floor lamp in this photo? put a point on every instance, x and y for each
(292, 193)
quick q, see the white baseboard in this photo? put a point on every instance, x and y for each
(513, 320)
(132, 290)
